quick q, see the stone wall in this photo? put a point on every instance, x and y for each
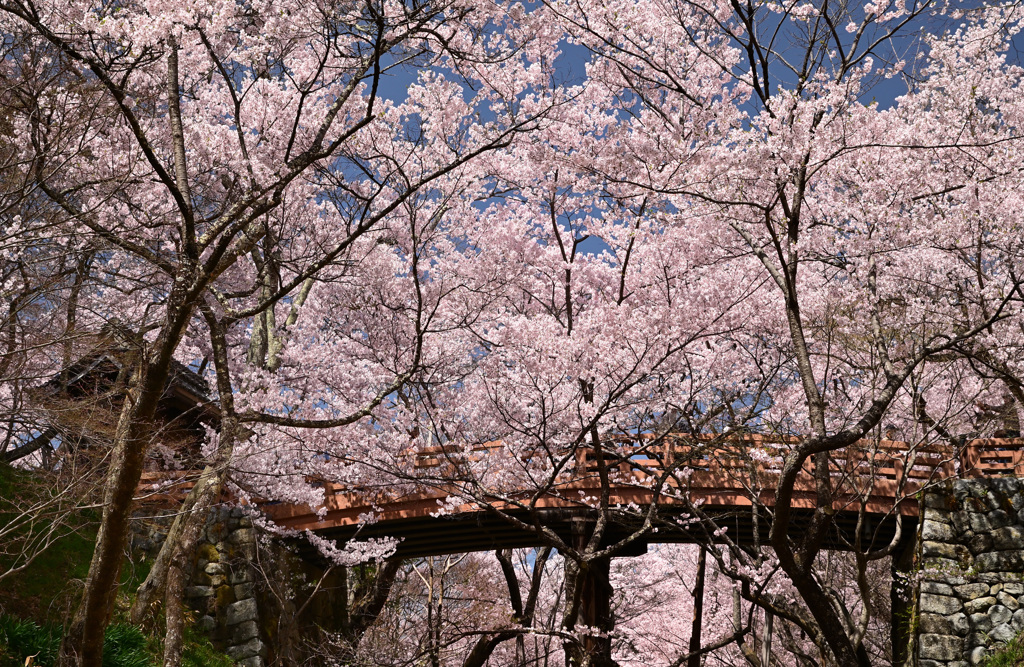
(971, 598)
(221, 588)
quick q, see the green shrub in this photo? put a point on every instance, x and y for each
(123, 645)
(199, 652)
(20, 639)
(1010, 656)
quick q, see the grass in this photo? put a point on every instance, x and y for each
(20, 639)
(35, 602)
(46, 589)
(49, 587)
(123, 646)
(1010, 656)
(199, 652)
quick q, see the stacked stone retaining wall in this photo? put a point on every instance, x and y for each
(221, 588)
(972, 570)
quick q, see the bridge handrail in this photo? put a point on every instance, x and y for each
(878, 468)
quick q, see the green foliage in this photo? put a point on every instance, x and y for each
(126, 646)
(1010, 656)
(34, 592)
(199, 652)
(123, 646)
(10, 479)
(20, 639)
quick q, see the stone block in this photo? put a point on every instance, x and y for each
(202, 579)
(1018, 620)
(943, 564)
(980, 622)
(941, 550)
(245, 631)
(199, 592)
(243, 591)
(944, 605)
(999, 519)
(972, 591)
(1008, 601)
(940, 514)
(1002, 633)
(1017, 501)
(940, 647)
(959, 624)
(243, 536)
(994, 578)
(999, 614)
(251, 648)
(254, 661)
(215, 569)
(962, 523)
(999, 561)
(935, 624)
(1014, 588)
(977, 639)
(239, 612)
(937, 501)
(1008, 538)
(207, 624)
(979, 523)
(934, 531)
(980, 543)
(974, 606)
(937, 588)
(977, 654)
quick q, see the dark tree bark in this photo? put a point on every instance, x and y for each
(698, 611)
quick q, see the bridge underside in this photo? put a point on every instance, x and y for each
(487, 531)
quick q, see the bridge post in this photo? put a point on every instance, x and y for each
(590, 583)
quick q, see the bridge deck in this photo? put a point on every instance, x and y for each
(726, 479)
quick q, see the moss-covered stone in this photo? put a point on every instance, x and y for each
(225, 595)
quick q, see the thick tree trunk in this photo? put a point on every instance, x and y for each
(83, 644)
(902, 623)
(174, 637)
(797, 558)
(698, 611)
(589, 589)
(187, 527)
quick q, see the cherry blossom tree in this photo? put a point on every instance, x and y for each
(886, 235)
(727, 235)
(225, 165)
(384, 228)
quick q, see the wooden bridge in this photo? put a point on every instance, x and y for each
(441, 502)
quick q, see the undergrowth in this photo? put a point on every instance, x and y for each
(35, 602)
(123, 645)
(1012, 655)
